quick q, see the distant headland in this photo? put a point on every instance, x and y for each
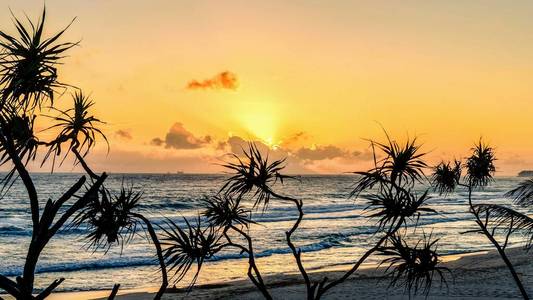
(526, 173)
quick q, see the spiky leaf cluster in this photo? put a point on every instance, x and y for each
(413, 268)
(28, 65)
(523, 193)
(446, 177)
(402, 165)
(391, 195)
(480, 165)
(253, 175)
(110, 218)
(390, 206)
(508, 219)
(225, 211)
(188, 246)
(77, 126)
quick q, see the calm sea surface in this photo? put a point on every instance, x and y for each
(334, 231)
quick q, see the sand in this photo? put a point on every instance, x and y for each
(479, 275)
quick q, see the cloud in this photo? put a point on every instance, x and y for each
(125, 134)
(180, 138)
(321, 152)
(224, 80)
(157, 142)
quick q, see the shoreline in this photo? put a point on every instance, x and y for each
(463, 265)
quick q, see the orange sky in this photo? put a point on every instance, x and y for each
(309, 78)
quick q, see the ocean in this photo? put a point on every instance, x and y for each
(335, 230)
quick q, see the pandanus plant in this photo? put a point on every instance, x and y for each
(28, 65)
(413, 267)
(29, 80)
(114, 219)
(78, 128)
(491, 219)
(388, 189)
(391, 200)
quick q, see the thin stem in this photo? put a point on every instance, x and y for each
(84, 164)
(390, 232)
(157, 244)
(501, 251)
(258, 282)
(297, 253)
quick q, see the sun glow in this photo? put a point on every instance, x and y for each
(260, 121)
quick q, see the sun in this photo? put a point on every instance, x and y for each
(260, 120)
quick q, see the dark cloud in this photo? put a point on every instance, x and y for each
(125, 134)
(157, 142)
(225, 80)
(180, 138)
(321, 152)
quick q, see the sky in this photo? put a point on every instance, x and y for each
(182, 83)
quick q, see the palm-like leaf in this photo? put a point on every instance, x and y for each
(401, 165)
(77, 126)
(523, 193)
(389, 206)
(480, 165)
(255, 175)
(185, 247)
(28, 65)
(507, 218)
(110, 218)
(413, 268)
(446, 177)
(224, 211)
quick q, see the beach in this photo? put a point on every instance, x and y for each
(480, 275)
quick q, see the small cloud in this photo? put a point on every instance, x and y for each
(125, 134)
(157, 142)
(180, 138)
(224, 80)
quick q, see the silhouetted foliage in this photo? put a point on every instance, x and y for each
(523, 193)
(491, 219)
(28, 64)
(77, 127)
(413, 268)
(224, 211)
(185, 247)
(391, 206)
(446, 177)
(110, 217)
(480, 165)
(253, 174)
(28, 80)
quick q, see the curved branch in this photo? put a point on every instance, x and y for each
(157, 244)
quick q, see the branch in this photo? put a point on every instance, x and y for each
(51, 208)
(155, 240)
(46, 292)
(78, 204)
(114, 292)
(26, 179)
(297, 253)
(259, 283)
(9, 286)
(84, 164)
(324, 288)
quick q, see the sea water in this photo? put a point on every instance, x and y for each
(335, 230)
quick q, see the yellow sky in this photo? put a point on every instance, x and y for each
(312, 74)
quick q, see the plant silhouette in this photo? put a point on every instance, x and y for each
(490, 218)
(387, 188)
(28, 81)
